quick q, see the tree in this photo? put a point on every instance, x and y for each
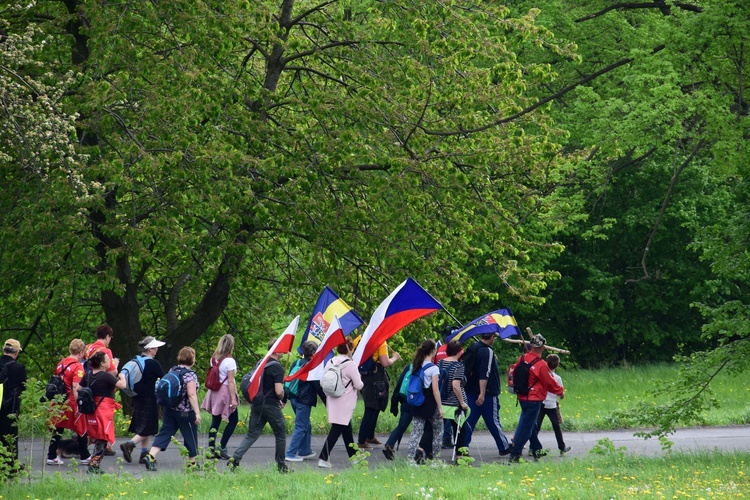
(242, 156)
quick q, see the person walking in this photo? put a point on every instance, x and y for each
(101, 423)
(266, 408)
(483, 391)
(13, 377)
(222, 404)
(404, 419)
(341, 409)
(68, 417)
(300, 445)
(431, 410)
(144, 422)
(454, 397)
(185, 417)
(540, 382)
(551, 405)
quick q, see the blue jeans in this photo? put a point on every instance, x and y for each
(404, 420)
(526, 430)
(299, 444)
(490, 413)
(172, 421)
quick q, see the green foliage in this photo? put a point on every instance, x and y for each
(605, 447)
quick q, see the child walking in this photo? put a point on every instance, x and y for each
(550, 406)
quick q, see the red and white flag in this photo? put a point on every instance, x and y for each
(313, 370)
(282, 345)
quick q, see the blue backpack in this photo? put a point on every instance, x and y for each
(133, 371)
(416, 386)
(170, 389)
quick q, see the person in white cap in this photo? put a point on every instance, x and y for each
(145, 419)
(13, 378)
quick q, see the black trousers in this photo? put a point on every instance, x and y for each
(338, 430)
(552, 415)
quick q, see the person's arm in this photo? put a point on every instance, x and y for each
(121, 382)
(457, 391)
(192, 392)
(436, 393)
(386, 361)
(232, 384)
(483, 374)
(74, 389)
(355, 376)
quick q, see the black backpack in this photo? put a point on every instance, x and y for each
(56, 385)
(521, 376)
(245, 383)
(85, 400)
(469, 357)
(445, 385)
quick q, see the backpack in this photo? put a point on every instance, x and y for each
(133, 371)
(56, 385)
(332, 382)
(444, 384)
(85, 400)
(213, 380)
(292, 387)
(404, 388)
(245, 383)
(170, 389)
(469, 357)
(416, 386)
(520, 376)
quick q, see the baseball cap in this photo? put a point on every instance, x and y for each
(12, 345)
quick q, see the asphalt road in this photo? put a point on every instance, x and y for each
(483, 449)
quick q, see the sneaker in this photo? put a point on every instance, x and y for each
(364, 446)
(223, 455)
(85, 461)
(309, 455)
(283, 469)
(232, 464)
(295, 458)
(151, 463)
(537, 454)
(127, 450)
(109, 452)
(506, 451)
(373, 441)
(388, 452)
(514, 459)
(192, 467)
(324, 463)
(564, 451)
(55, 461)
(419, 456)
(356, 459)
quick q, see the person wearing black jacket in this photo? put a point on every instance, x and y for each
(302, 404)
(13, 378)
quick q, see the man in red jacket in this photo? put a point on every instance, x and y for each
(540, 382)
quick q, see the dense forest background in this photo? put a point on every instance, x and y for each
(190, 168)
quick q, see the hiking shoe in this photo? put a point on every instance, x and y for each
(109, 452)
(232, 464)
(373, 441)
(309, 455)
(55, 461)
(193, 467)
(506, 451)
(142, 459)
(283, 469)
(324, 464)
(364, 446)
(223, 455)
(295, 458)
(565, 450)
(127, 450)
(150, 463)
(388, 452)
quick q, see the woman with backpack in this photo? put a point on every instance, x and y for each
(340, 409)
(431, 408)
(184, 415)
(101, 423)
(145, 420)
(221, 400)
(70, 370)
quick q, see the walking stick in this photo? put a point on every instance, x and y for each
(455, 436)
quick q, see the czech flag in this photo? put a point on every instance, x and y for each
(405, 304)
(282, 345)
(329, 305)
(313, 370)
(500, 322)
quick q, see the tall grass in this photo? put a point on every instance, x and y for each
(703, 475)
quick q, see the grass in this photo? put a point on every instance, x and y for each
(703, 475)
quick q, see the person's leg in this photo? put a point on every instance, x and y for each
(83, 447)
(333, 436)
(213, 430)
(552, 415)
(189, 432)
(471, 422)
(447, 434)
(490, 411)
(426, 441)
(229, 429)
(417, 429)
(54, 443)
(303, 415)
(367, 426)
(437, 434)
(168, 429)
(254, 428)
(348, 434)
(404, 420)
(275, 418)
(298, 434)
(526, 426)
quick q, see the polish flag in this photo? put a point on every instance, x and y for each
(313, 370)
(282, 345)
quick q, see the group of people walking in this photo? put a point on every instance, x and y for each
(457, 389)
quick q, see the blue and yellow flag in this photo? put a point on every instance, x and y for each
(329, 305)
(500, 322)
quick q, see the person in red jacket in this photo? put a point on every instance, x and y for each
(540, 382)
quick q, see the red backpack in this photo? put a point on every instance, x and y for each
(213, 382)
